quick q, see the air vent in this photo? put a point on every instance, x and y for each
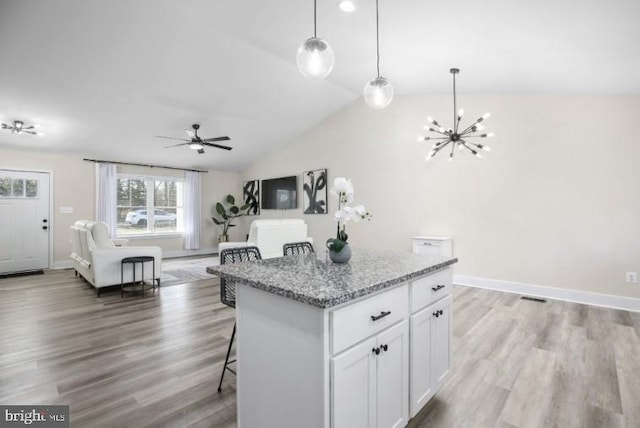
(534, 299)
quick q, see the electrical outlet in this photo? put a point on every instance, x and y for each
(632, 277)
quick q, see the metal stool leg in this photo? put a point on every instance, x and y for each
(226, 360)
(142, 282)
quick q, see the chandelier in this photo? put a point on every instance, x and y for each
(457, 136)
(18, 127)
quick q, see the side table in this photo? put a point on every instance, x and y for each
(133, 260)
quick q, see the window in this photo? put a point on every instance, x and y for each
(149, 205)
(18, 188)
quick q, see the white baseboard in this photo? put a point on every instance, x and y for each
(186, 253)
(576, 296)
(62, 264)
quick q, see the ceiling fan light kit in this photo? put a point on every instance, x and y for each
(19, 127)
(455, 136)
(315, 57)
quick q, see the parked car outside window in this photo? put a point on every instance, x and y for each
(140, 218)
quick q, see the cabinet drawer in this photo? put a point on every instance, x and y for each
(353, 323)
(430, 288)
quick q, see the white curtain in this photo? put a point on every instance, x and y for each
(106, 200)
(192, 211)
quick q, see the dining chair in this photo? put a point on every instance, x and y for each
(228, 291)
(297, 248)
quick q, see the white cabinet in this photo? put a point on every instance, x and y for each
(370, 382)
(433, 245)
(430, 351)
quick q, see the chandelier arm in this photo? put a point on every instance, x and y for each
(464, 144)
(439, 132)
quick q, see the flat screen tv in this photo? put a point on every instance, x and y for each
(280, 193)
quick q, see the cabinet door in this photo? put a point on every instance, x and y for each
(420, 365)
(393, 377)
(353, 387)
(441, 342)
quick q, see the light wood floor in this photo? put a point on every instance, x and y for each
(156, 361)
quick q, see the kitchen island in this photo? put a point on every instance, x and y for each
(326, 345)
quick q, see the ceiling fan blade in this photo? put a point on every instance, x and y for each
(225, 138)
(176, 145)
(215, 145)
(172, 138)
(200, 151)
(190, 133)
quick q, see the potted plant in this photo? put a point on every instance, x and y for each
(227, 215)
(339, 249)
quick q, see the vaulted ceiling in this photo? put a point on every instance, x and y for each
(102, 77)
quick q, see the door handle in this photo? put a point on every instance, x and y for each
(44, 220)
(45, 227)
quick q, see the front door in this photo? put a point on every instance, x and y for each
(24, 220)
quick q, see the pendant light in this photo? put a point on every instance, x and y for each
(315, 57)
(378, 92)
(454, 136)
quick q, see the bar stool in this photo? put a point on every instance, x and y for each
(297, 248)
(133, 261)
(228, 291)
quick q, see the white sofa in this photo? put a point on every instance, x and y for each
(98, 260)
(270, 235)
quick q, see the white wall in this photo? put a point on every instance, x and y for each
(74, 186)
(556, 202)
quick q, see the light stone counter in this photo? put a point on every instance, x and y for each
(318, 282)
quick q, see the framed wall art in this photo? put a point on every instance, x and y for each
(314, 191)
(251, 196)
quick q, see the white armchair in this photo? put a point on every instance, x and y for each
(98, 260)
(270, 235)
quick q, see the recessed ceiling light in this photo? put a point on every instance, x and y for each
(347, 5)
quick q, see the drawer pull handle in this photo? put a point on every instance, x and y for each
(384, 347)
(376, 351)
(437, 313)
(437, 287)
(382, 315)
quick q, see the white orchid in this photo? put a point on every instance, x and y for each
(343, 190)
(360, 213)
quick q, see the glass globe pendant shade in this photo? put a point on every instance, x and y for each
(315, 58)
(378, 93)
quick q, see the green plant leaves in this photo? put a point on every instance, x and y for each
(231, 200)
(336, 245)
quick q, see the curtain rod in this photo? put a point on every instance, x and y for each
(143, 164)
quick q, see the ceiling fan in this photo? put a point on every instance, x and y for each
(195, 142)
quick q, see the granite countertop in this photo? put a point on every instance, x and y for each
(313, 280)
